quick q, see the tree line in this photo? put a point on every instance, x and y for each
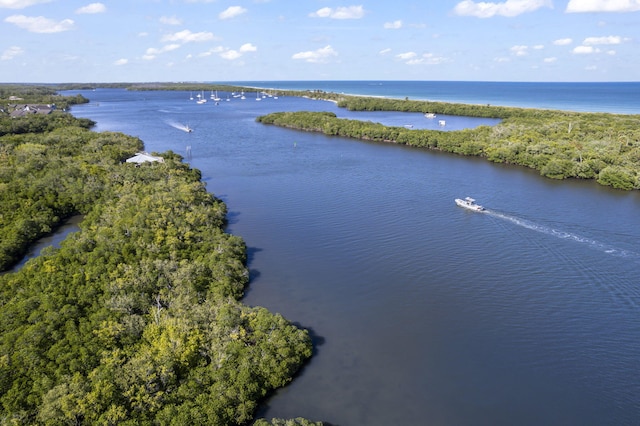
(136, 318)
(559, 144)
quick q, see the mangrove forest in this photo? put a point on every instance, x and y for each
(559, 144)
(135, 319)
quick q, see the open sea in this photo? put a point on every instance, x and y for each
(422, 313)
(621, 98)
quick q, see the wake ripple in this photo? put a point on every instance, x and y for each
(179, 126)
(594, 244)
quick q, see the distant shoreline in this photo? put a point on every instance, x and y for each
(613, 98)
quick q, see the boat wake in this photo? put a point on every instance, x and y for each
(594, 244)
(180, 126)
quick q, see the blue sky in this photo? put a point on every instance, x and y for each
(53, 41)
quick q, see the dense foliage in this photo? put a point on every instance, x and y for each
(135, 319)
(605, 147)
(21, 94)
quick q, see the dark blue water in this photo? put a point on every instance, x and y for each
(622, 98)
(422, 312)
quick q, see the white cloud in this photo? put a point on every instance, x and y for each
(538, 47)
(550, 60)
(393, 25)
(40, 24)
(11, 53)
(563, 41)
(384, 51)
(349, 12)
(187, 36)
(230, 54)
(232, 12)
(412, 58)
(248, 47)
(582, 6)
(170, 20)
(20, 4)
(406, 56)
(520, 50)
(592, 41)
(153, 52)
(170, 47)
(432, 59)
(585, 50)
(317, 56)
(508, 8)
(92, 9)
(121, 62)
(210, 52)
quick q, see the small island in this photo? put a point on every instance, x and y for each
(559, 144)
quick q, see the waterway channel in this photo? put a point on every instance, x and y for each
(422, 312)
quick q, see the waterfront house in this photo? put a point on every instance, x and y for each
(27, 109)
(144, 157)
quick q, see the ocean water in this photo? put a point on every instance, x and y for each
(421, 312)
(619, 98)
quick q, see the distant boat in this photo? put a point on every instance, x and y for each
(202, 99)
(469, 203)
(180, 126)
(258, 98)
(191, 96)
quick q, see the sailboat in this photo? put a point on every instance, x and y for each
(202, 99)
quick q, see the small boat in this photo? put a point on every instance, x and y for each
(469, 203)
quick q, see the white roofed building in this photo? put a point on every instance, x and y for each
(144, 157)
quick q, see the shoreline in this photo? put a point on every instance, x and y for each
(577, 96)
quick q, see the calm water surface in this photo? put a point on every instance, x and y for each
(621, 98)
(422, 312)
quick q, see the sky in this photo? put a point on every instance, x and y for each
(58, 41)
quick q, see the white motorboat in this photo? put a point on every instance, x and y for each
(469, 203)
